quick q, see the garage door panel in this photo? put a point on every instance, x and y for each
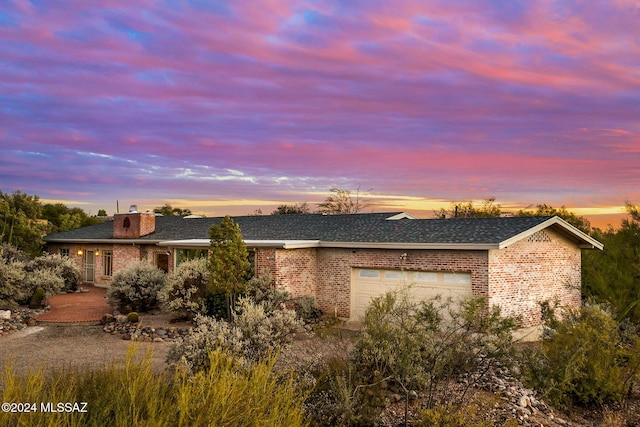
(369, 283)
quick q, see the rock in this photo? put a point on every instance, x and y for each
(413, 395)
(395, 398)
(5, 314)
(107, 318)
(524, 402)
(161, 332)
(121, 318)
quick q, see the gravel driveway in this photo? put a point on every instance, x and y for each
(85, 345)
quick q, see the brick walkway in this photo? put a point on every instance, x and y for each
(77, 307)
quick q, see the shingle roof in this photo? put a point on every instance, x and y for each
(361, 228)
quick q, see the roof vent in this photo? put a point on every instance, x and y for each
(133, 208)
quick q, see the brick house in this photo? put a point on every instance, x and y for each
(345, 260)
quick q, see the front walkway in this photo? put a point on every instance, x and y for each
(87, 306)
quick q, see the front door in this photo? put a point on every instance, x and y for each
(89, 266)
(162, 261)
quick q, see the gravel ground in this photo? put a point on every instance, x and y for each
(84, 345)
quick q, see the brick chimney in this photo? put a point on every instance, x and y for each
(133, 224)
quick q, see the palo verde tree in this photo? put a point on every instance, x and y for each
(229, 267)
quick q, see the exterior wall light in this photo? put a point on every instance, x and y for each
(97, 252)
(80, 252)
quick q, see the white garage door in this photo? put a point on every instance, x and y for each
(370, 283)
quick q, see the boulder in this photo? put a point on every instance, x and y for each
(5, 314)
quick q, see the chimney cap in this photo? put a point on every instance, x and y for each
(133, 208)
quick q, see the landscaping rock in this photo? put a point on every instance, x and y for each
(5, 314)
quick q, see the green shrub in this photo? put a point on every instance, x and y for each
(136, 287)
(428, 345)
(185, 291)
(252, 335)
(36, 299)
(263, 291)
(307, 309)
(584, 359)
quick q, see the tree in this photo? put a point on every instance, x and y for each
(612, 276)
(343, 201)
(579, 222)
(297, 209)
(20, 223)
(229, 267)
(61, 218)
(169, 210)
(488, 209)
(102, 212)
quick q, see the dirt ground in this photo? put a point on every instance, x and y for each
(82, 345)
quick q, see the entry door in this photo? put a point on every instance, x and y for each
(89, 266)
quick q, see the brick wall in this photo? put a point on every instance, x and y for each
(133, 225)
(333, 289)
(542, 268)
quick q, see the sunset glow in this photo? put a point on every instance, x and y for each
(228, 107)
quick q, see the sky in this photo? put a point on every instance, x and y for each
(225, 107)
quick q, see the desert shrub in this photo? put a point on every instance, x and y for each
(63, 267)
(133, 394)
(469, 415)
(12, 289)
(427, 345)
(585, 358)
(10, 253)
(262, 331)
(136, 287)
(252, 335)
(263, 291)
(185, 291)
(306, 308)
(45, 278)
(133, 317)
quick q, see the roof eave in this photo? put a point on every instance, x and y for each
(104, 241)
(410, 245)
(584, 240)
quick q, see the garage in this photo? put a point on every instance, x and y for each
(367, 284)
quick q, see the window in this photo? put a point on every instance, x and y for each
(64, 252)
(107, 263)
(369, 274)
(183, 255)
(425, 276)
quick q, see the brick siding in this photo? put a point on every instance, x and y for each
(543, 268)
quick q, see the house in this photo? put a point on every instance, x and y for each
(345, 260)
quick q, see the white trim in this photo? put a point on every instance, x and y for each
(401, 215)
(587, 241)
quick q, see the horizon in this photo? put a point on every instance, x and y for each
(228, 107)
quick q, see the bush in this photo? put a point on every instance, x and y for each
(136, 287)
(36, 299)
(132, 394)
(306, 308)
(12, 289)
(252, 335)
(428, 345)
(10, 253)
(45, 278)
(185, 291)
(60, 266)
(263, 291)
(584, 359)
